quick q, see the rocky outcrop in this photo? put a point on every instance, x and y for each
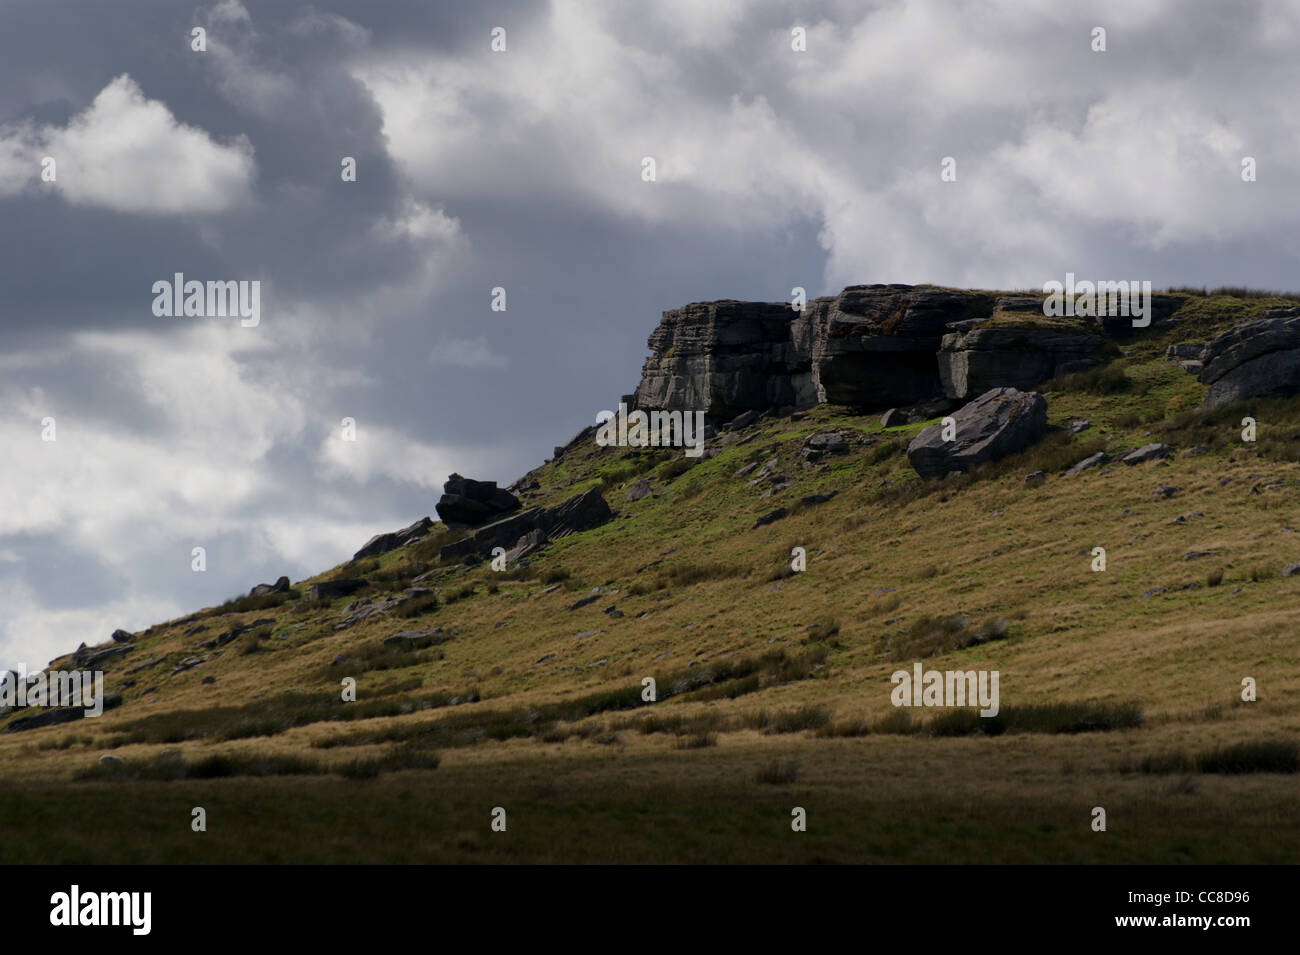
(972, 362)
(724, 358)
(281, 586)
(1259, 359)
(1000, 422)
(469, 503)
(383, 543)
(873, 346)
(519, 533)
(869, 347)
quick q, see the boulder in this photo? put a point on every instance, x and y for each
(1148, 452)
(530, 542)
(579, 513)
(416, 639)
(383, 543)
(893, 418)
(743, 420)
(122, 636)
(1091, 461)
(279, 587)
(469, 503)
(1000, 422)
(638, 490)
(1259, 359)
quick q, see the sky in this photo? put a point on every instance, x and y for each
(522, 169)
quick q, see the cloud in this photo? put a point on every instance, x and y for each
(130, 154)
(467, 353)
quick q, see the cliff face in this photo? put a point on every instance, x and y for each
(870, 347)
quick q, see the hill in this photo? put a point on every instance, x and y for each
(524, 688)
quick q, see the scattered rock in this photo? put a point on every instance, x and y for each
(108, 759)
(1166, 492)
(1035, 478)
(208, 680)
(746, 469)
(743, 420)
(893, 418)
(1154, 591)
(122, 636)
(1148, 452)
(1079, 425)
(638, 490)
(826, 442)
(770, 517)
(416, 639)
(1091, 461)
(1197, 554)
(1290, 570)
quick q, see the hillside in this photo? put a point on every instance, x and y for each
(1119, 689)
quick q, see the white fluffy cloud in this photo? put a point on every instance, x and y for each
(130, 154)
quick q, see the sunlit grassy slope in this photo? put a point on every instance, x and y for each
(1117, 688)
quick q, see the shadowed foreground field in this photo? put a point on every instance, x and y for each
(870, 800)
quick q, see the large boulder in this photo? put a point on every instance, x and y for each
(972, 362)
(383, 543)
(999, 422)
(1259, 359)
(469, 503)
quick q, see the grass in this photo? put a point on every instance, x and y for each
(1236, 759)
